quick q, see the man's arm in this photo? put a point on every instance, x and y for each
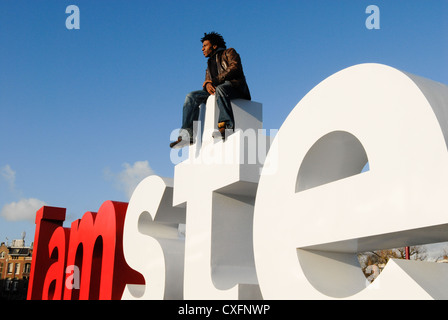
(233, 70)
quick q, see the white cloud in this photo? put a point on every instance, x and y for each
(9, 176)
(24, 209)
(130, 177)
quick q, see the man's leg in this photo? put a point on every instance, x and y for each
(190, 114)
(224, 93)
(191, 108)
(226, 122)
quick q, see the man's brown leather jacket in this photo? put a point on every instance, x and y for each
(229, 66)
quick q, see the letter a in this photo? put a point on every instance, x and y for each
(72, 21)
(373, 21)
(72, 281)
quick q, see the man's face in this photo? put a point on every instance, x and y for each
(207, 48)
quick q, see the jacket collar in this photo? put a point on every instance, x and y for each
(216, 51)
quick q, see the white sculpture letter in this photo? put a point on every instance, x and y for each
(319, 210)
(153, 243)
(218, 188)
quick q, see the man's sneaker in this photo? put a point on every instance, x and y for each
(223, 131)
(180, 143)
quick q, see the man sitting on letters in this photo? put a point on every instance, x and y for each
(224, 78)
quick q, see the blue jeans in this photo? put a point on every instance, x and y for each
(224, 93)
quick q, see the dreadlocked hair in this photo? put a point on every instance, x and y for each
(215, 39)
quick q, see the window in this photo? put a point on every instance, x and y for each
(17, 268)
(15, 284)
(8, 284)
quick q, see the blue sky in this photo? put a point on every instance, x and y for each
(85, 114)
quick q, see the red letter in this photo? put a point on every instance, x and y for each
(96, 248)
(48, 219)
(54, 279)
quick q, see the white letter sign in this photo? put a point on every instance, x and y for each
(306, 236)
(152, 243)
(224, 229)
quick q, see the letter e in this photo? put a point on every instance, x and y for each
(306, 237)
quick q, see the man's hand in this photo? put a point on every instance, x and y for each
(209, 87)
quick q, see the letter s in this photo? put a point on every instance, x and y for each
(152, 244)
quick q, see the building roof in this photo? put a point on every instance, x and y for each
(19, 251)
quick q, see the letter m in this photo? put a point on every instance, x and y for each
(96, 248)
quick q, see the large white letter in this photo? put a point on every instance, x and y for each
(153, 244)
(319, 210)
(218, 186)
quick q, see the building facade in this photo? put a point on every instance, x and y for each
(15, 267)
